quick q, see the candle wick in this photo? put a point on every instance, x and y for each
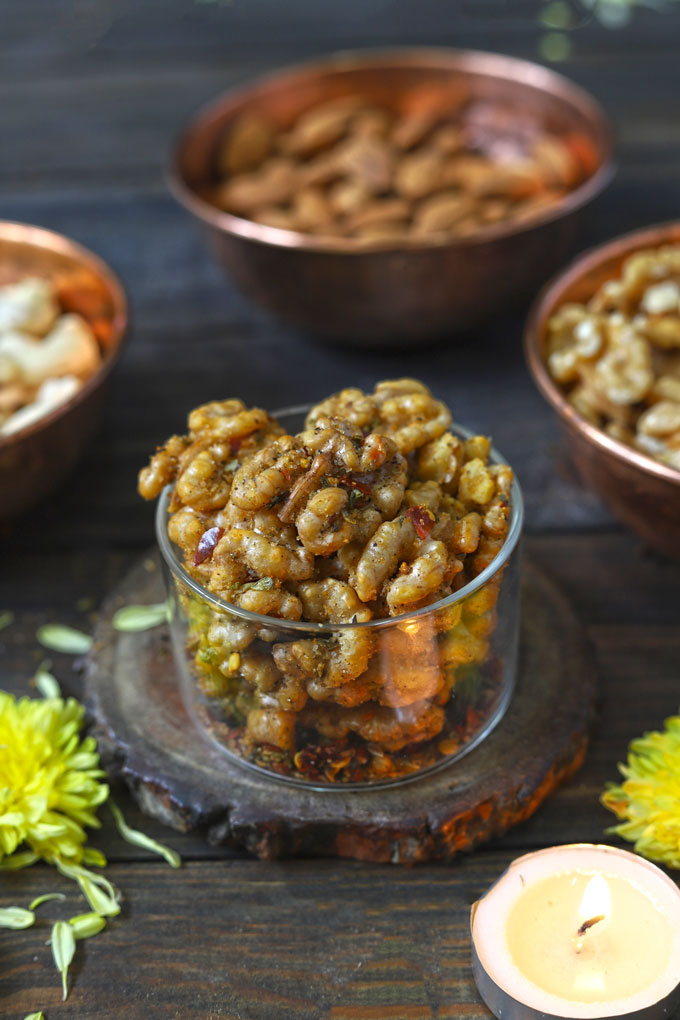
(589, 924)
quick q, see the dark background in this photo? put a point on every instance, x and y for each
(91, 94)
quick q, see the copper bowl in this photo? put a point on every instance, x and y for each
(34, 459)
(643, 493)
(385, 291)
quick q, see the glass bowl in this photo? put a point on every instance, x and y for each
(428, 686)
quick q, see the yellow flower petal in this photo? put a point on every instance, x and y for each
(648, 800)
(50, 784)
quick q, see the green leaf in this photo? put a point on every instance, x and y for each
(18, 860)
(139, 839)
(6, 618)
(92, 857)
(136, 618)
(16, 918)
(231, 466)
(86, 925)
(63, 949)
(45, 898)
(99, 899)
(35, 1016)
(97, 889)
(64, 639)
(46, 683)
(264, 584)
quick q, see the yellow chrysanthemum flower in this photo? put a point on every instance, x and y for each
(649, 797)
(49, 782)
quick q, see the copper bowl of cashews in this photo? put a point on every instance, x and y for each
(386, 197)
(603, 345)
(63, 315)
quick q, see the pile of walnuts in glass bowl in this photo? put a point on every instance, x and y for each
(345, 594)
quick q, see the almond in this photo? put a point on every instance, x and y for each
(380, 210)
(418, 174)
(320, 127)
(441, 212)
(245, 146)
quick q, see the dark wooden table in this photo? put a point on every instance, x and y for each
(90, 96)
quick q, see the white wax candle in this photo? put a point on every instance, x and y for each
(578, 931)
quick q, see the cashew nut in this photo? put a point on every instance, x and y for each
(69, 349)
(28, 306)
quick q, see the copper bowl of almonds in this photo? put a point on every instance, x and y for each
(397, 195)
(603, 345)
(63, 316)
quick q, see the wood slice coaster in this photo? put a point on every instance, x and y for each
(146, 736)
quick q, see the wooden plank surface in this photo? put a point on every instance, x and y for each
(91, 96)
(261, 941)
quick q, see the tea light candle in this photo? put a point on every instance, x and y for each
(578, 931)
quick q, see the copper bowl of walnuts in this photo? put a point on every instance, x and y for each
(603, 345)
(393, 196)
(63, 316)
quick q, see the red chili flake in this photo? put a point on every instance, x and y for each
(327, 759)
(422, 520)
(235, 445)
(206, 545)
(353, 483)
(472, 719)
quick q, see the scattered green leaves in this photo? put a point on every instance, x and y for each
(6, 618)
(46, 683)
(86, 925)
(60, 638)
(232, 465)
(97, 889)
(16, 918)
(100, 899)
(45, 898)
(136, 618)
(35, 1016)
(63, 948)
(141, 840)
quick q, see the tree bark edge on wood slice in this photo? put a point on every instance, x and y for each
(146, 735)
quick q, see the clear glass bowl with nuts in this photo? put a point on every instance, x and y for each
(345, 596)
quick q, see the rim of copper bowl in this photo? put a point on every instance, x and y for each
(549, 299)
(441, 58)
(50, 240)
